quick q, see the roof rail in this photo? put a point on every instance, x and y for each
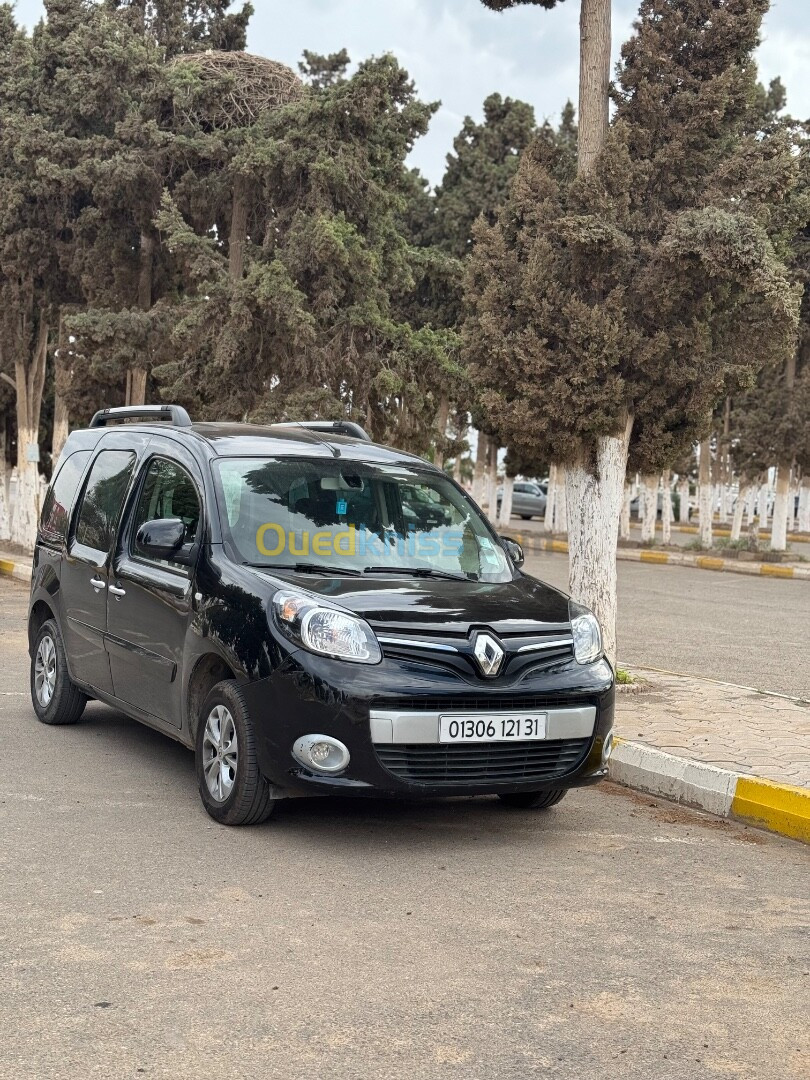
(174, 413)
(330, 427)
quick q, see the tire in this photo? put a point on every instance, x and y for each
(526, 517)
(55, 698)
(534, 800)
(232, 788)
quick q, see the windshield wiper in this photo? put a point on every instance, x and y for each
(420, 571)
(308, 568)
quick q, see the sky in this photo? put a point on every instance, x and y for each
(458, 52)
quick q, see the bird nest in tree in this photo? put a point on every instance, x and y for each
(234, 88)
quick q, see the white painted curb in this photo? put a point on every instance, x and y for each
(693, 782)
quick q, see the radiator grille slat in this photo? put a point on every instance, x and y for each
(473, 762)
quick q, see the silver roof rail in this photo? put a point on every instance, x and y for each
(176, 414)
(329, 427)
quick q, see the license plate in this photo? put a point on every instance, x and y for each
(497, 727)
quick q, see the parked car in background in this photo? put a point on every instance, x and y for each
(528, 499)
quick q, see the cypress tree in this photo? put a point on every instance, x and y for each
(634, 298)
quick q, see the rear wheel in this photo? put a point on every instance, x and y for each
(55, 698)
(232, 788)
(533, 800)
(526, 517)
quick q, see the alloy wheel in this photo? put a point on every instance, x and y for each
(45, 671)
(220, 753)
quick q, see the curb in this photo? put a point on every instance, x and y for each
(676, 558)
(779, 808)
(20, 571)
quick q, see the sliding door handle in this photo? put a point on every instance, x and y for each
(98, 583)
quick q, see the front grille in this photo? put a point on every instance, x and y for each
(472, 763)
(461, 702)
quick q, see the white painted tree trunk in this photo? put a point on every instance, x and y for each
(457, 468)
(492, 481)
(705, 495)
(649, 497)
(804, 505)
(548, 521)
(561, 502)
(683, 494)
(780, 508)
(666, 509)
(594, 506)
(5, 477)
(793, 507)
(624, 522)
(505, 513)
(27, 500)
(739, 507)
(479, 474)
(29, 383)
(724, 504)
(751, 505)
(762, 505)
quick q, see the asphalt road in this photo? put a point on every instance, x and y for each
(612, 936)
(748, 630)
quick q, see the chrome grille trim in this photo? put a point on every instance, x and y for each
(416, 643)
(552, 643)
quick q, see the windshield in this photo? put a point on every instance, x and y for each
(353, 518)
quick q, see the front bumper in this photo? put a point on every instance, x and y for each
(387, 716)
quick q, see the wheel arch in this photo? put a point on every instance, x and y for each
(208, 670)
(40, 612)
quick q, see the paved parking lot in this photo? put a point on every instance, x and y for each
(745, 630)
(615, 935)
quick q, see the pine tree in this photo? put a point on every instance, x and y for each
(634, 298)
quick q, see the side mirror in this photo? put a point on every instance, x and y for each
(514, 551)
(161, 539)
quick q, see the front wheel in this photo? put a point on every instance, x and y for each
(533, 800)
(55, 698)
(232, 788)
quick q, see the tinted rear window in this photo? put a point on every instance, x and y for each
(59, 500)
(103, 498)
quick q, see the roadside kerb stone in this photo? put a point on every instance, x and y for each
(730, 750)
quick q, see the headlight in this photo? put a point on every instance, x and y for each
(586, 634)
(326, 630)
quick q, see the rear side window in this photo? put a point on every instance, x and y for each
(56, 511)
(103, 498)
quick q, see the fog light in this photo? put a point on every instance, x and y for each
(321, 753)
(607, 747)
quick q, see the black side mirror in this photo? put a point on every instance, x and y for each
(514, 551)
(161, 539)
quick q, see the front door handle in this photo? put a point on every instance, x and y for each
(98, 583)
(117, 592)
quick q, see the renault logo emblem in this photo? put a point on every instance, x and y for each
(488, 654)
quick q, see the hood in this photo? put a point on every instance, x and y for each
(424, 605)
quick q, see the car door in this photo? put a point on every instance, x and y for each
(85, 567)
(519, 500)
(150, 599)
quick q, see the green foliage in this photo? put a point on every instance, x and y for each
(317, 319)
(653, 285)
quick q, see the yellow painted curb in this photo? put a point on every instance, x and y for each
(707, 562)
(6, 566)
(559, 545)
(779, 807)
(654, 556)
(775, 570)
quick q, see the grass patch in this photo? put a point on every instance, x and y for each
(624, 678)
